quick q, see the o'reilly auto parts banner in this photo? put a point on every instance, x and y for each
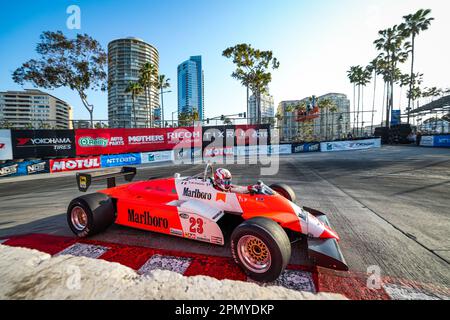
(120, 141)
(121, 160)
(60, 165)
(42, 143)
(350, 145)
(5, 145)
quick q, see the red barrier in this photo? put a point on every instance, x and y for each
(72, 164)
(115, 141)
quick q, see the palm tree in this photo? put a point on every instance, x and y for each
(136, 90)
(374, 66)
(364, 75)
(147, 79)
(325, 105)
(161, 84)
(351, 74)
(413, 25)
(393, 51)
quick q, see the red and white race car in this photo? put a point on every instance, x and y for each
(264, 222)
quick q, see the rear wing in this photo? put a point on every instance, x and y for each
(84, 180)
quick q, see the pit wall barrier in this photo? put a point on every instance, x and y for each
(350, 145)
(441, 141)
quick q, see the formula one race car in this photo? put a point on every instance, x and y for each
(264, 222)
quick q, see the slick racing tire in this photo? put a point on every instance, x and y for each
(261, 248)
(285, 191)
(90, 214)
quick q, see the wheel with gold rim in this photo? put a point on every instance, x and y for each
(261, 248)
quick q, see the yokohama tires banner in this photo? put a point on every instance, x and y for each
(42, 143)
(73, 164)
(117, 141)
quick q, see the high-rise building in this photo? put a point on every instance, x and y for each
(267, 109)
(34, 109)
(126, 57)
(324, 125)
(191, 87)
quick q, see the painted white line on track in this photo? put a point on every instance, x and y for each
(292, 279)
(84, 250)
(397, 292)
(175, 264)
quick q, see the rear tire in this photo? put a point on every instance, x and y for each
(90, 214)
(262, 248)
(285, 191)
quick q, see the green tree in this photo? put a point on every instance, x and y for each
(413, 25)
(187, 118)
(162, 84)
(353, 77)
(252, 70)
(393, 51)
(78, 64)
(374, 66)
(148, 75)
(326, 106)
(135, 89)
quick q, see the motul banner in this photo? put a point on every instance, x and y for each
(117, 141)
(42, 143)
(60, 165)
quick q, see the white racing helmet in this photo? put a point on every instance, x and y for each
(222, 179)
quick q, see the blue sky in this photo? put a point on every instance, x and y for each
(315, 41)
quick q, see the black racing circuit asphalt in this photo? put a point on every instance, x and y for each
(390, 206)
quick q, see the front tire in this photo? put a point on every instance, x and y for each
(285, 191)
(90, 214)
(262, 248)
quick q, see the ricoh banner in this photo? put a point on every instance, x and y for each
(350, 145)
(5, 145)
(121, 141)
(158, 156)
(60, 165)
(116, 160)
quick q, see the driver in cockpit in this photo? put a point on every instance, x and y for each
(222, 182)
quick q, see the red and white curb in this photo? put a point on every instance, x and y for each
(295, 277)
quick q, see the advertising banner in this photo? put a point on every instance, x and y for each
(42, 143)
(187, 155)
(350, 145)
(5, 145)
(239, 135)
(157, 156)
(427, 141)
(117, 160)
(212, 152)
(305, 147)
(9, 169)
(395, 117)
(24, 168)
(60, 165)
(281, 149)
(441, 141)
(121, 141)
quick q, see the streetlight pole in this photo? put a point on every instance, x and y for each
(162, 106)
(172, 118)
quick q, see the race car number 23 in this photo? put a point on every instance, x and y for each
(196, 225)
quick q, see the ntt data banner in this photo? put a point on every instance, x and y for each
(116, 160)
(350, 145)
(61, 165)
(42, 143)
(5, 145)
(121, 141)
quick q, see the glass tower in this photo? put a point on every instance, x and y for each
(191, 87)
(125, 59)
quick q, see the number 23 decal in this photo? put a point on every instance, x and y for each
(196, 225)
